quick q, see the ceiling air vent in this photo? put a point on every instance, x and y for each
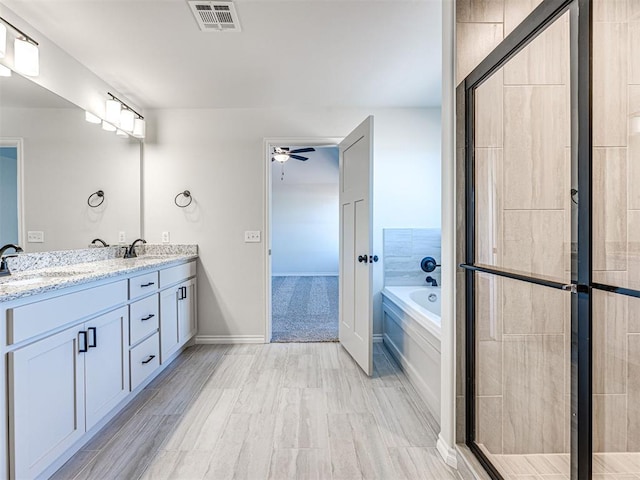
(215, 16)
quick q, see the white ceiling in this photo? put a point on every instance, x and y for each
(296, 53)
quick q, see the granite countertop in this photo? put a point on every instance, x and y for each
(34, 282)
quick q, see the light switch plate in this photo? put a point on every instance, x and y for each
(165, 237)
(122, 238)
(252, 236)
(35, 237)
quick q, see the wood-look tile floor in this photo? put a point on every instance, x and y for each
(274, 411)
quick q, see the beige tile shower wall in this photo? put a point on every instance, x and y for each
(616, 224)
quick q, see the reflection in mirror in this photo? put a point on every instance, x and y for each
(51, 161)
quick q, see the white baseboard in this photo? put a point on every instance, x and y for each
(447, 453)
(305, 274)
(228, 339)
(377, 338)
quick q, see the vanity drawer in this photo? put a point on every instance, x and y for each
(176, 274)
(144, 359)
(143, 284)
(143, 318)
(41, 316)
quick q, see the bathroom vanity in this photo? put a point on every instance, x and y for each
(80, 342)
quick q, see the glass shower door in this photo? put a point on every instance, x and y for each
(519, 260)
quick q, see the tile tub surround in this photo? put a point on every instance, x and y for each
(63, 275)
(404, 248)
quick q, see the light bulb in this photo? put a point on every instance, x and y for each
(126, 120)
(91, 118)
(121, 133)
(112, 110)
(3, 40)
(139, 128)
(26, 58)
(5, 71)
(281, 157)
(108, 127)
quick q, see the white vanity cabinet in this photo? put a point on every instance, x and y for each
(63, 385)
(74, 357)
(177, 309)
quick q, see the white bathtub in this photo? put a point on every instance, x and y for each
(411, 332)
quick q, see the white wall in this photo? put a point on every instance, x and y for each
(65, 160)
(218, 155)
(305, 217)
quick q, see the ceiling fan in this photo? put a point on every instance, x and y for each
(282, 154)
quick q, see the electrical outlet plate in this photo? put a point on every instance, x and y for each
(122, 238)
(165, 237)
(35, 237)
(252, 236)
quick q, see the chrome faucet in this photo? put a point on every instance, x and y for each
(431, 281)
(104, 244)
(4, 266)
(131, 251)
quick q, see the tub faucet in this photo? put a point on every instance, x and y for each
(431, 281)
(131, 251)
(4, 266)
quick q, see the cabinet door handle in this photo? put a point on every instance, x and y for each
(147, 284)
(184, 294)
(82, 349)
(151, 357)
(148, 317)
(94, 343)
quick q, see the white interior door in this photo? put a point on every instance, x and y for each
(356, 243)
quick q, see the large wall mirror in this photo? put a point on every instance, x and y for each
(51, 162)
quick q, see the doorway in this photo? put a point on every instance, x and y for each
(304, 241)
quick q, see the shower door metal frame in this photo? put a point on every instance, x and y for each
(581, 140)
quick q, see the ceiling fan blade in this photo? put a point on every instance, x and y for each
(303, 150)
(298, 157)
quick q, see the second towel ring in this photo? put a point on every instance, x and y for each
(100, 195)
(186, 194)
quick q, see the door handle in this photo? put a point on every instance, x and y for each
(83, 349)
(148, 317)
(147, 284)
(363, 258)
(95, 337)
(373, 258)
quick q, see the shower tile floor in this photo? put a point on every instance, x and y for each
(606, 466)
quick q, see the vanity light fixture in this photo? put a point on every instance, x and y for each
(91, 118)
(26, 56)
(5, 71)
(112, 110)
(139, 128)
(128, 119)
(108, 127)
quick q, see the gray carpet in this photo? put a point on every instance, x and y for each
(304, 309)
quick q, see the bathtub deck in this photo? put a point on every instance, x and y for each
(268, 411)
